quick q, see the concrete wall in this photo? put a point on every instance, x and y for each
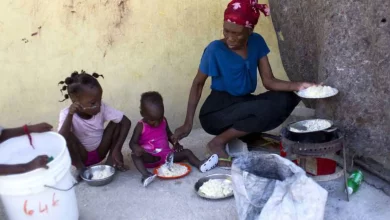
(137, 45)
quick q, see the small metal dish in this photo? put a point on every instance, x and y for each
(201, 181)
(88, 173)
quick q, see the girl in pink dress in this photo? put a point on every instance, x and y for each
(151, 137)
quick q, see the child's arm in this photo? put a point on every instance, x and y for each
(125, 125)
(170, 135)
(38, 162)
(14, 132)
(67, 125)
(134, 146)
(176, 145)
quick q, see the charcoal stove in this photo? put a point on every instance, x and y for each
(303, 149)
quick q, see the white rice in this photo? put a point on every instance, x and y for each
(216, 188)
(313, 125)
(317, 92)
(176, 170)
(101, 174)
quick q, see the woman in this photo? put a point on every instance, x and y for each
(231, 111)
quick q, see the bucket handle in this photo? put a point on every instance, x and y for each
(63, 190)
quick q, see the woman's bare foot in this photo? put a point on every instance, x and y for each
(219, 149)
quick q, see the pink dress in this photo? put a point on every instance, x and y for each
(155, 141)
(90, 131)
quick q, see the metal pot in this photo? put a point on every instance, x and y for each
(300, 125)
(320, 136)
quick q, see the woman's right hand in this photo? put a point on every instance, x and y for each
(182, 132)
(75, 107)
(304, 85)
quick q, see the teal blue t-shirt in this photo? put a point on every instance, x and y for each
(229, 71)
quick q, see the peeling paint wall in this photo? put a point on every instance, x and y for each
(137, 45)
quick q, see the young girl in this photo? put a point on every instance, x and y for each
(82, 123)
(38, 162)
(151, 137)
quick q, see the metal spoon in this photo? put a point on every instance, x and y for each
(169, 161)
(92, 107)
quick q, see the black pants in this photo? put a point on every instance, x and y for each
(250, 113)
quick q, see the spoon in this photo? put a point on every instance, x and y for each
(86, 108)
(169, 161)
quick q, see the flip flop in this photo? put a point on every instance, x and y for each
(148, 180)
(229, 159)
(209, 164)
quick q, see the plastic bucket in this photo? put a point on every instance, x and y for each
(42, 193)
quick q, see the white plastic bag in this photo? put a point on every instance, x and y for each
(267, 186)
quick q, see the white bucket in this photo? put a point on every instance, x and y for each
(27, 195)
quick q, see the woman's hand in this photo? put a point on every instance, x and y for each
(182, 132)
(304, 85)
(75, 107)
(38, 162)
(39, 128)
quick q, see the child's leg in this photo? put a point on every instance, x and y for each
(203, 166)
(110, 136)
(139, 162)
(147, 177)
(187, 155)
(77, 152)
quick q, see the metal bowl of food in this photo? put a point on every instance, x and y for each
(216, 186)
(98, 175)
(311, 125)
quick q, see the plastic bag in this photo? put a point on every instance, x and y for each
(267, 186)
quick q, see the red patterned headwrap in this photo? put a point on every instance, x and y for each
(245, 12)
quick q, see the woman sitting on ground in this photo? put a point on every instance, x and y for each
(231, 110)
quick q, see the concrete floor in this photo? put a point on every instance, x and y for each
(125, 198)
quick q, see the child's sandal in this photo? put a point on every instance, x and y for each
(209, 164)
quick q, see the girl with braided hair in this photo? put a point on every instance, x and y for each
(82, 123)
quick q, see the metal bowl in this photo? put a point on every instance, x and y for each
(299, 124)
(335, 92)
(88, 173)
(207, 178)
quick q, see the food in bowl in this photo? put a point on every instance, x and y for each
(318, 92)
(176, 170)
(216, 188)
(101, 174)
(313, 125)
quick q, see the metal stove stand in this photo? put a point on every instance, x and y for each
(302, 151)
